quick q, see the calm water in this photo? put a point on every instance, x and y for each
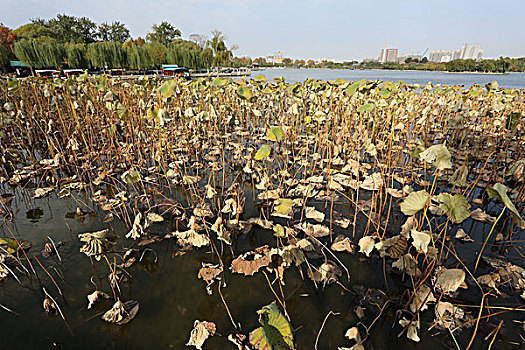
(512, 80)
(171, 296)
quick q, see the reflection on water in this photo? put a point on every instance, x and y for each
(34, 214)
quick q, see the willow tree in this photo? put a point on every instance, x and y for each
(157, 53)
(52, 54)
(189, 54)
(106, 54)
(40, 54)
(138, 57)
(76, 56)
(221, 54)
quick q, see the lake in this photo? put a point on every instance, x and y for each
(511, 80)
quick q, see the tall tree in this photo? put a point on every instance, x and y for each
(199, 40)
(157, 53)
(139, 42)
(73, 29)
(163, 33)
(115, 31)
(138, 57)
(221, 54)
(34, 31)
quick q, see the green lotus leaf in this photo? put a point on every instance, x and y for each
(11, 245)
(13, 85)
(493, 85)
(414, 202)
(284, 206)
(165, 90)
(417, 150)
(131, 177)
(438, 156)
(275, 133)
(244, 92)
(499, 191)
(455, 206)
(263, 152)
(384, 93)
(218, 82)
(366, 108)
(275, 332)
(353, 88)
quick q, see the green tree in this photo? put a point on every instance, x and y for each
(40, 54)
(34, 31)
(156, 52)
(76, 56)
(115, 31)
(503, 64)
(72, 29)
(138, 57)
(221, 54)
(187, 54)
(106, 54)
(163, 33)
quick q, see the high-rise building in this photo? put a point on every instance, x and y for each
(440, 56)
(388, 55)
(466, 52)
(457, 54)
(472, 52)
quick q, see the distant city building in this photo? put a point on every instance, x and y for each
(388, 55)
(440, 56)
(466, 52)
(276, 57)
(471, 52)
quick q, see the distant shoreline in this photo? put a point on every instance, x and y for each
(394, 70)
(479, 73)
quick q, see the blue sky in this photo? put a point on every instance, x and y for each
(310, 28)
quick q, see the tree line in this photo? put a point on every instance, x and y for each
(78, 42)
(500, 65)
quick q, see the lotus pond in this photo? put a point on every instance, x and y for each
(254, 214)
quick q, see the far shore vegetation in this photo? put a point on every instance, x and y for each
(79, 43)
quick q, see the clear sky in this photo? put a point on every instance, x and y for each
(310, 28)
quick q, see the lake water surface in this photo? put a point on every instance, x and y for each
(511, 80)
